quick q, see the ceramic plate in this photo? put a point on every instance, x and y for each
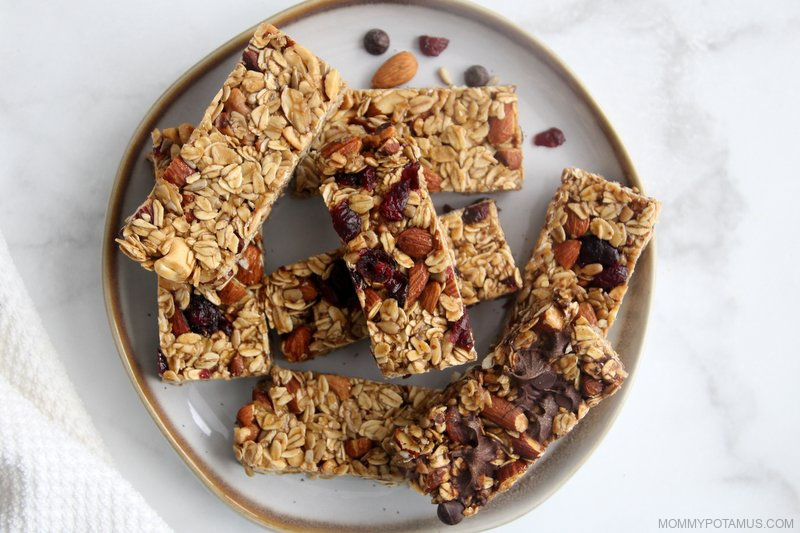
(197, 418)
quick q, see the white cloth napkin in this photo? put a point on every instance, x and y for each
(55, 472)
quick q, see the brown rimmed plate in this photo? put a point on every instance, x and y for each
(197, 418)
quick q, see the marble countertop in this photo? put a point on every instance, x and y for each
(703, 94)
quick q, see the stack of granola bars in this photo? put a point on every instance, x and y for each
(403, 277)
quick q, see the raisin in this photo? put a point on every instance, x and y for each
(594, 250)
(549, 138)
(476, 76)
(475, 213)
(338, 289)
(432, 46)
(346, 222)
(411, 174)
(368, 178)
(394, 203)
(461, 333)
(162, 363)
(611, 276)
(375, 265)
(397, 287)
(202, 315)
(376, 41)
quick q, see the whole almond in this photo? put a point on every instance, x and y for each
(586, 310)
(566, 253)
(295, 346)
(251, 266)
(576, 226)
(430, 296)
(511, 158)
(415, 242)
(502, 129)
(397, 70)
(417, 279)
(338, 384)
(232, 292)
(432, 179)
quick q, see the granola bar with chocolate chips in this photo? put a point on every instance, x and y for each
(469, 137)
(312, 304)
(594, 232)
(395, 248)
(210, 202)
(479, 436)
(323, 425)
(214, 334)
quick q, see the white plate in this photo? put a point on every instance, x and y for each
(197, 418)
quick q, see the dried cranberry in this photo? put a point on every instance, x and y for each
(368, 178)
(205, 374)
(394, 203)
(549, 138)
(411, 175)
(461, 333)
(346, 222)
(432, 46)
(611, 276)
(225, 326)
(376, 41)
(510, 282)
(162, 363)
(594, 250)
(475, 213)
(365, 178)
(397, 287)
(202, 315)
(375, 265)
(338, 289)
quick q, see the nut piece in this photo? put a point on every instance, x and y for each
(586, 310)
(371, 299)
(356, 448)
(510, 473)
(417, 279)
(245, 415)
(566, 253)
(339, 385)
(502, 129)
(575, 226)
(236, 366)
(505, 414)
(553, 319)
(415, 242)
(397, 70)
(511, 158)
(178, 323)
(591, 387)
(178, 263)
(526, 446)
(232, 292)
(293, 386)
(295, 347)
(177, 172)
(430, 296)
(251, 266)
(432, 179)
(308, 290)
(349, 146)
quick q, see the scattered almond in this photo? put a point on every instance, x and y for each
(245, 415)
(177, 172)
(432, 179)
(566, 253)
(351, 145)
(397, 70)
(526, 446)
(371, 299)
(294, 404)
(236, 366)
(505, 414)
(450, 285)
(508, 474)
(415, 242)
(591, 387)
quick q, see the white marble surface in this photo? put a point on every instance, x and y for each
(705, 96)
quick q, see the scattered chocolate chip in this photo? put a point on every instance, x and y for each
(432, 46)
(476, 76)
(549, 138)
(451, 513)
(446, 208)
(376, 41)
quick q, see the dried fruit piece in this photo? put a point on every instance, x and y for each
(476, 76)
(475, 213)
(432, 46)
(594, 250)
(566, 253)
(417, 279)
(611, 276)
(179, 324)
(346, 222)
(295, 347)
(203, 316)
(250, 60)
(397, 287)
(376, 265)
(461, 332)
(575, 225)
(415, 242)
(397, 70)
(549, 138)
(376, 41)
(394, 203)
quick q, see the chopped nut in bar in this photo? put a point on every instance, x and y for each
(395, 248)
(214, 334)
(210, 202)
(594, 232)
(313, 304)
(469, 138)
(323, 425)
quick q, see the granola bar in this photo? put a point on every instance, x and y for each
(397, 254)
(478, 437)
(214, 334)
(313, 304)
(208, 205)
(468, 137)
(594, 232)
(323, 425)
